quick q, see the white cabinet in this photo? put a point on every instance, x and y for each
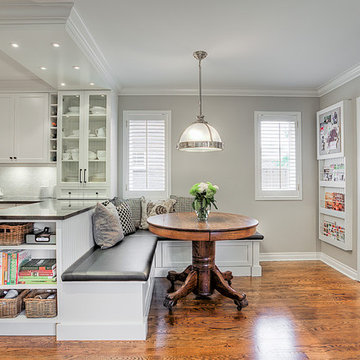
(7, 128)
(84, 145)
(24, 128)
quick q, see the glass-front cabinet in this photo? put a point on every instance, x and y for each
(83, 144)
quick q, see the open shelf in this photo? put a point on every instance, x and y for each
(28, 247)
(334, 213)
(22, 318)
(29, 286)
(333, 184)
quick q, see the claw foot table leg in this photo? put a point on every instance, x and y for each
(223, 288)
(186, 288)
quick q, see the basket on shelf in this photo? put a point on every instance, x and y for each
(14, 233)
(10, 308)
(38, 306)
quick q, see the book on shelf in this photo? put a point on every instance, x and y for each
(11, 260)
(39, 264)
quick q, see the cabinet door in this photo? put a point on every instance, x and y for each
(6, 128)
(97, 135)
(70, 139)
(31, 128)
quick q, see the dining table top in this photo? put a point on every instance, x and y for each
(186, 226)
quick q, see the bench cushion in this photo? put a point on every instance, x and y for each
(130, 260)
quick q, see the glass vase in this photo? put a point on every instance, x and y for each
(202, 211)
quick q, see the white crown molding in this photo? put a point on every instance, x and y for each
(78, 31)
(24, 86)
(218, 92)
(339, 80)
(31, 12)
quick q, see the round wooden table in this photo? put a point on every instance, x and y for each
(203, 276)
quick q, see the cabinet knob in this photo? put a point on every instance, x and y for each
(10, 157)
(15, 157)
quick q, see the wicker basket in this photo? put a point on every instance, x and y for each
(10, 308)
(36, 307)
(14, 233)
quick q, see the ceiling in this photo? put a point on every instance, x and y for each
(262, 44)
(146, 46)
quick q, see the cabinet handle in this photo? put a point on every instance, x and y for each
(15, 157)
(10, 157)
(80, 175)
(84, 176)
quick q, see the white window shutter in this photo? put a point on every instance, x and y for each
(278, 155)
(146, 153)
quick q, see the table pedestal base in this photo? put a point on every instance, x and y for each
(203, 277)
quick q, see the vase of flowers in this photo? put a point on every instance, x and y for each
(204, 197)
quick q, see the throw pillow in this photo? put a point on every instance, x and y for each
(135, 206)
(150, 208)
(107, 229)
(125, 216)
(183, 204)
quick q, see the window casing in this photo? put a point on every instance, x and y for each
(146, 150)
(278, 155)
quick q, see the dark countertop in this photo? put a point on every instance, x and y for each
(43, 209)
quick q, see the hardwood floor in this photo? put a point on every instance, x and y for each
(297, 310)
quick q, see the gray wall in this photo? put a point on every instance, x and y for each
(289, 226)
(351, 90)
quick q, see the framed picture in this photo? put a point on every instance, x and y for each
(330, 132)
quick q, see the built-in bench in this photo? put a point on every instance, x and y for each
(106, 294)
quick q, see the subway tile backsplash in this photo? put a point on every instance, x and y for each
(26, 181)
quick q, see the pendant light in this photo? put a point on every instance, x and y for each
(200, 136)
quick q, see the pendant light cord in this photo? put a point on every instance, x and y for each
(200, 92)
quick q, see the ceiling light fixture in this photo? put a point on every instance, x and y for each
(92, 84)
(14, 45)
(43, 68)
(200, 136)
(55, 45)
(62, 84)
(76, 67)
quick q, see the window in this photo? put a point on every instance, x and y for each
(146, 153)
(278, 156)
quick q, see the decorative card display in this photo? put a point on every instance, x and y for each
(330, 125)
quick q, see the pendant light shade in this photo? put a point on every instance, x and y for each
(200, 136)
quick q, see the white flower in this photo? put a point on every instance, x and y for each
(203, 187)
(216, 187)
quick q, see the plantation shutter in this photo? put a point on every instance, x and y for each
(278, 152)
(146, 151)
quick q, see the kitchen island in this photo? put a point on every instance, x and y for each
(70, 220)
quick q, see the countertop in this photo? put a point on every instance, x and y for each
(43, 209)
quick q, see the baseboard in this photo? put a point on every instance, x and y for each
(290, 256)
(101, 332)
(298, 256)
(339, 266)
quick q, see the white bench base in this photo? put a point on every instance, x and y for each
(239, 256)
(108, 310)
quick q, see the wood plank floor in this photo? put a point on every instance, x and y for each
(297, 310)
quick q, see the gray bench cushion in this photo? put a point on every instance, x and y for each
(130, 260)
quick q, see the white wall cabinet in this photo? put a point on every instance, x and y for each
(24, 128)
(85, 146)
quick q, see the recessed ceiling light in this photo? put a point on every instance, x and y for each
(43, 68)
(62, 84)
(92, 84)
(55, 45)
(76, 67)
(14, 45)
